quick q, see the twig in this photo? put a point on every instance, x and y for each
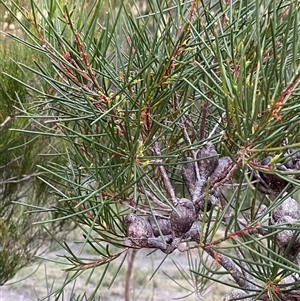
(168, 186)
(17, 180)
(180, 46)
(228, 264)
(155, 200)
(203, 120)
(6, 120)
(189, 142)
(10, 162)
(218, 182)
(232, 235)
(216, 126)
(184, 130)
(276, 106)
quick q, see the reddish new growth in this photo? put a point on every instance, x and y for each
(204, 108)
(276, 105)
(192, 10)
(232, 235)
(145, 118)
(80, 47)
(81, 264)
(179, 47)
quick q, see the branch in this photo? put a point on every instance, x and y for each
(155, 200)
(17, 180)
(10, 162)
(189, 142)
(165, 178)
(219, 180)
(203, 120)
(6, 120)
(231, 267)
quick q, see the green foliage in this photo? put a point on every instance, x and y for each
(133, 92)
(19, 155)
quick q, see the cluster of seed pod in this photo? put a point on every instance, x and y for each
(271, 183)
(208, 168)
(287, 216)
(167, 233)
(164, 233)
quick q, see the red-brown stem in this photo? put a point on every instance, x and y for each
(145, 118)
(277, 105)
(179, 46)
(88, 265)
(232, 235)
(78, 42)
(203, 120)
(80, 47)
(102, 98)
(192, 10)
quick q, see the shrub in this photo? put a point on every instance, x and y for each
(182, 131)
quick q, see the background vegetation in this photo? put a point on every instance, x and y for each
(19, 155)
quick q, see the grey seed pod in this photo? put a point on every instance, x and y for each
(219, 173)
(290, 164)
(266, 160)
(220, 170)
(183, 218)
(236, 294)
(161, 223)
(281, 167)
(189, 175)
(285, 236)
(138, 229)
(297, 166)
(270, 183)
(293, 158)
(194, 233)
(288, 283)
(209, 160)
(163, 243)
(288, 207)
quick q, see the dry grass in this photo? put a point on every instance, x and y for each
(44, 274)
(35, 282)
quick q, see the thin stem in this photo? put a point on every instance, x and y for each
(132, 254)
(155, 200)
(228, 264)
(203, 120)
(168, 185)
